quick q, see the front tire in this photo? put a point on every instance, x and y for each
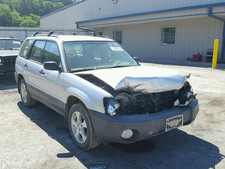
(81, 129)
(26, 98)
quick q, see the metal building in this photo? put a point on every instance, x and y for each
(149, 29)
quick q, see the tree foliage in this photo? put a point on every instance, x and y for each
(26, 13)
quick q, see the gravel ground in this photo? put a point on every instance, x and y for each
(36, 137)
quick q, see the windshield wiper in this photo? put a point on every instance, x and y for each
(118, 66)
(83, 69)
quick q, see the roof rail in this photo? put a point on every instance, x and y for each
(50, 33)
(105, 37)
(92, 32)
(35, 33)
(9, 37)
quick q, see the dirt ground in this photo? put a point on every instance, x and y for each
(36, 137)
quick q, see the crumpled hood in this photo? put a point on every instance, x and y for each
(9, 52)
(144, 79)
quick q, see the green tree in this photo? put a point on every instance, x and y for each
(27, 12)
(5, 15)
(30, 21)
(24, 7)
(14, 4)
(16, 18)
(35, 6)
(48, 6)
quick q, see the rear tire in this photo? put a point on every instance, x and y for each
(81, 128)
(25, 95)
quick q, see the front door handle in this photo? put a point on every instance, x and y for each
(42, 72)
(25, 65)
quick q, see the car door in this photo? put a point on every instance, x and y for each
(51, 81)
(33, 66)
(21, 62)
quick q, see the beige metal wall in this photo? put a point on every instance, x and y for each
(195, 31)
(95, 9)
(106, 8)
(192, 36)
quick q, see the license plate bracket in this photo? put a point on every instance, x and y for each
(174, 122)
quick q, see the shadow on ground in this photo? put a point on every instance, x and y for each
(175, 149)
(7, 81)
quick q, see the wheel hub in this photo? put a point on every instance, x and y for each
(23, 92)
(79, 127)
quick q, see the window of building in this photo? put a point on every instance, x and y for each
(37, 51)
(117, 36)
(51, 53)
(168, 35)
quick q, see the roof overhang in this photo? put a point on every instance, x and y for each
(198, 11)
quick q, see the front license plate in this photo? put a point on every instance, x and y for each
(174, 122)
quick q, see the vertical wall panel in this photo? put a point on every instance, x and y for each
(192, 37)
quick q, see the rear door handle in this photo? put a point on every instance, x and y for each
(42, 72)
(25, 65)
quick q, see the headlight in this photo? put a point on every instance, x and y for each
(0, 60)
(111, 106)
(188, 75)
(185, 95)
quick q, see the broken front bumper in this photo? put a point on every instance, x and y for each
(110, 128)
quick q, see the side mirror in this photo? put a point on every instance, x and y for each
(136, 58)
(51, 65)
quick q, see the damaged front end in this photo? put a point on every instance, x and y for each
(127, 102)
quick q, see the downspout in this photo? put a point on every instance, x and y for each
(223, 44)
(85, 29)
(210, 14)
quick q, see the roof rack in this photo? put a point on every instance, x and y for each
(90, 31)
(9, 37)
(105, 37)
(50, 33)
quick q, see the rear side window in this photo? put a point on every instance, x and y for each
(51, 53)
(25, 48)
(37, 51)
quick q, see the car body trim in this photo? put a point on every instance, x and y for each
(48, 100)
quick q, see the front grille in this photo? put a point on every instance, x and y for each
(147, 103)
(9, 61)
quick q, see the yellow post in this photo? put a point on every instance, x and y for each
(215, 53)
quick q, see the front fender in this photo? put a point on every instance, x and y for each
(91, 95)
(81, 96)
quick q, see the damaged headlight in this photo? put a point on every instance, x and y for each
(185, 95)
(111, 106)
(188, 75)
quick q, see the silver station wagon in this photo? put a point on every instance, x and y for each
(103, 93)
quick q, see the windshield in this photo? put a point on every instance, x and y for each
(82, 56)
(9, 44)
